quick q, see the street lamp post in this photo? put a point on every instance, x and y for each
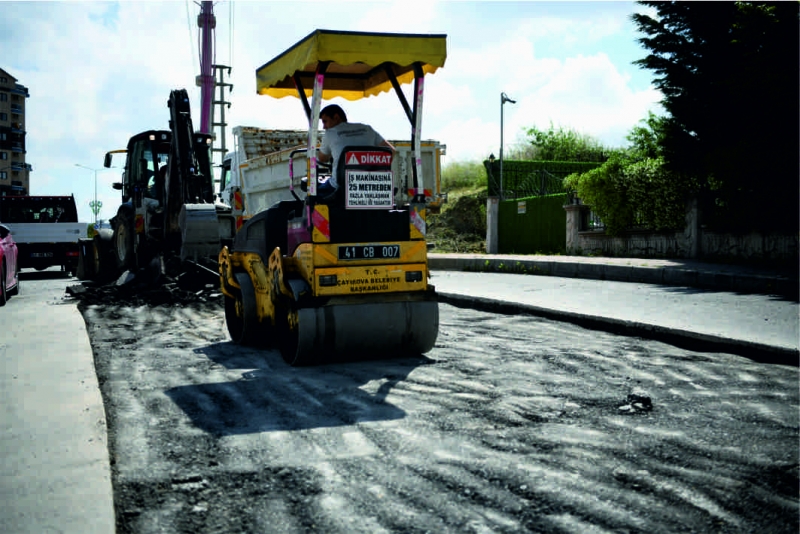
(95, 204)
(503, 99)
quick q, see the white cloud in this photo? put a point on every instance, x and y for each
(588, 94)
(99, 74)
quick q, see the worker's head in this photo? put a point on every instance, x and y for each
(331, 116)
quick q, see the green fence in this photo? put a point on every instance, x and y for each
(531, 178)
(532, 225)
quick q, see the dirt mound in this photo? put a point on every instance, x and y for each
(465, 216)
(461, 226)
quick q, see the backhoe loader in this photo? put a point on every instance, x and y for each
(168, 216)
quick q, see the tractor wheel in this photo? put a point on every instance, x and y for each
(85, 260)
(240, 313)
(122, 242)
(102, 265)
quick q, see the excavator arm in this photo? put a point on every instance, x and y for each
(188, 179)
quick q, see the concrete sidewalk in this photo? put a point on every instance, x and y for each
(686, 273)
(698, 305)
(55, 474)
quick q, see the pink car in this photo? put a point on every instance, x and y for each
(9, 272)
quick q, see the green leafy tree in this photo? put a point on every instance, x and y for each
(561, 144)
(634, 187)
(729, 75)
(647, 138)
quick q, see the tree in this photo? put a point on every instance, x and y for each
(634, 187)
(647, 138)
(729, 75)
(560, 144)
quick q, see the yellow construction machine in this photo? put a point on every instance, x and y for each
(341, 276)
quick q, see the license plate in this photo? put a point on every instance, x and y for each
(41, 254)
(369, 252)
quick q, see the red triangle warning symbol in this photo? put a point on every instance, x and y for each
(353, 159)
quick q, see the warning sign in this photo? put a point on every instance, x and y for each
(369, 189)
(369, 158)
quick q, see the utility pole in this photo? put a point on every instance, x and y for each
(219, 74)
(95, 204)
(503, 99)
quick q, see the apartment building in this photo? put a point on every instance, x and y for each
(14, 170)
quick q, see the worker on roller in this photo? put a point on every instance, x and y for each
(338, 134)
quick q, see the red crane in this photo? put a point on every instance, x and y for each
(207, 23)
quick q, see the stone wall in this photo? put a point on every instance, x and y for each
(694, 242)
(752, 246)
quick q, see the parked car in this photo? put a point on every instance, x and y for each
(9, 265)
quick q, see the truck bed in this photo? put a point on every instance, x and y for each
(43, 245)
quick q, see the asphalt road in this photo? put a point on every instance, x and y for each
(511, 424)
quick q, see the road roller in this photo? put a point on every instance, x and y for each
(331, 276)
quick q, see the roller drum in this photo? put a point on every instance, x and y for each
(364, 331)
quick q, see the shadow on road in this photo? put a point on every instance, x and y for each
(271, 395)
(685, 290)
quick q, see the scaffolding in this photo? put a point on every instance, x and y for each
(219, 145)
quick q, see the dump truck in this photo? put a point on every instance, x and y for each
(345, 275)
(168, 216)
(256, 174)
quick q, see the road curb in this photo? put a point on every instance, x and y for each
(669, 276)
(682, 338)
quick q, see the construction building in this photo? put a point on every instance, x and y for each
(14, 170)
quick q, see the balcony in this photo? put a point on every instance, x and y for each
(17, 147)
(17, 167)
(21, 90)
(16, 108)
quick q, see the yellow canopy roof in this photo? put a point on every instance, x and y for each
(356, 69)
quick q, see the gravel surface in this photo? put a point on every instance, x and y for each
(511, 424)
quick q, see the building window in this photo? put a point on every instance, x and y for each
(3, 79)
(3, 97)
(3, 136)
(3, 116)
(3, 155)
(3, 175)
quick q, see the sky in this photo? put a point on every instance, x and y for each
(100, 72)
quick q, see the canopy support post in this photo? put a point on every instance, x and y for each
(313, 125)
(393, 78)
(416, 132)
(298, 83)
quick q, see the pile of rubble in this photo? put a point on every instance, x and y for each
(637, 402)
(133, 289)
